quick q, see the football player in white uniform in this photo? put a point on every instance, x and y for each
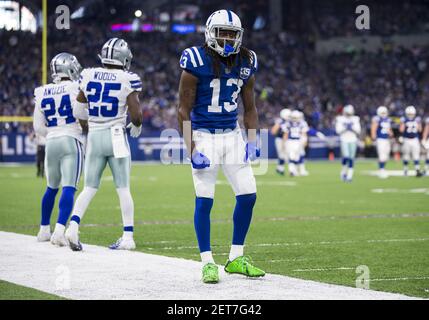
(348, 128)
(53, 119)
(295, 132)
(425, 144)
(381, 132)
(106, 94)
(410, 129)
(277, 132)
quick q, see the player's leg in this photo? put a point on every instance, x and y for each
(345, 160)
(406, 151)
(352, 155)
(95, 162)
(279, 142)
(383, 151)
(71, 168)
(204, 184)
(301, 162)
(242, 180)
(121, 168)
(294, 155)
(415, 153)
(53, 178)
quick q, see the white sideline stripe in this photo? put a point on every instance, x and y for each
(323, 269)
(99, 273)
(289, 244)
(401, 279)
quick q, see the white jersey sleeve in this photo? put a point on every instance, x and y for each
(356, 125)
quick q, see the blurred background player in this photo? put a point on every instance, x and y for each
(40, 142)
(295, 132)
(381, 132)
(108, 92)
(304, 142)
(410, 129)
(53, 118)
(280, 144)
(425, 144)
(212, 78)
(348, 128)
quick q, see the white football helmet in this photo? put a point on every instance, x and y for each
(382, 111)
(348, 110)
(285, 113)
(410, 112)
(116, 52)
(65, 65)
(295, 116)
(224, 20)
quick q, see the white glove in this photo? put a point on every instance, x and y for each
(134, 131)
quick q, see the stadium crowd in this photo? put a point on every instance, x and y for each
(290, 75)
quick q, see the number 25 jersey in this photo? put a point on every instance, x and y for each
(216, 105)
(106, 91)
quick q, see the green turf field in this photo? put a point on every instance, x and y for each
(314, 227)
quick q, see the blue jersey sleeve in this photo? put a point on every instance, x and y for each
(191, 61)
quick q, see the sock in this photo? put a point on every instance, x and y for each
(344, 162)
(82, 203)
(45, 229)
(427, 165)
(381, 165)
(292, 167)
(301, 160)
(127, 208)
(351, 163)
(417, 165)
(59, 228)
(203, 206)
(66, 204)
(350, 174)
(206, 257)
(236, 251)
(242, 217)
(127, 233)
(405, 162)
(48, 202)
(281, 162)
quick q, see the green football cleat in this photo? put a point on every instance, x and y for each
(243, 265)
(210, 273)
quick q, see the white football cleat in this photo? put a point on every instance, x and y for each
(72, 236)
(304, 173)
(123, 244)
(44, 234)
(59, 239)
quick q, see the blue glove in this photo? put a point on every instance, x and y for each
(252, 152)
(199, 161)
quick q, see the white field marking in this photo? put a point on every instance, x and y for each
(390, 173)
(291, 244)
(401, 279)
(265, 183)
(408, 191)
(100, 273)
(324, 269)
(219, 221)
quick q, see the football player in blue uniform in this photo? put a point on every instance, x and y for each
(410, 129)
(381, 132)
(213, 77)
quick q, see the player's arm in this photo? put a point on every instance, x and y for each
(39, 124)
(250, 116)
(374, 127)
(402, 127)
(425, 135)
(187, 93)
(136, 115)
(80, 111)
(275, 129)
(339, 128)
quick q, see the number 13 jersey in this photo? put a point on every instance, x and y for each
(106, 91)
(215, 105)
